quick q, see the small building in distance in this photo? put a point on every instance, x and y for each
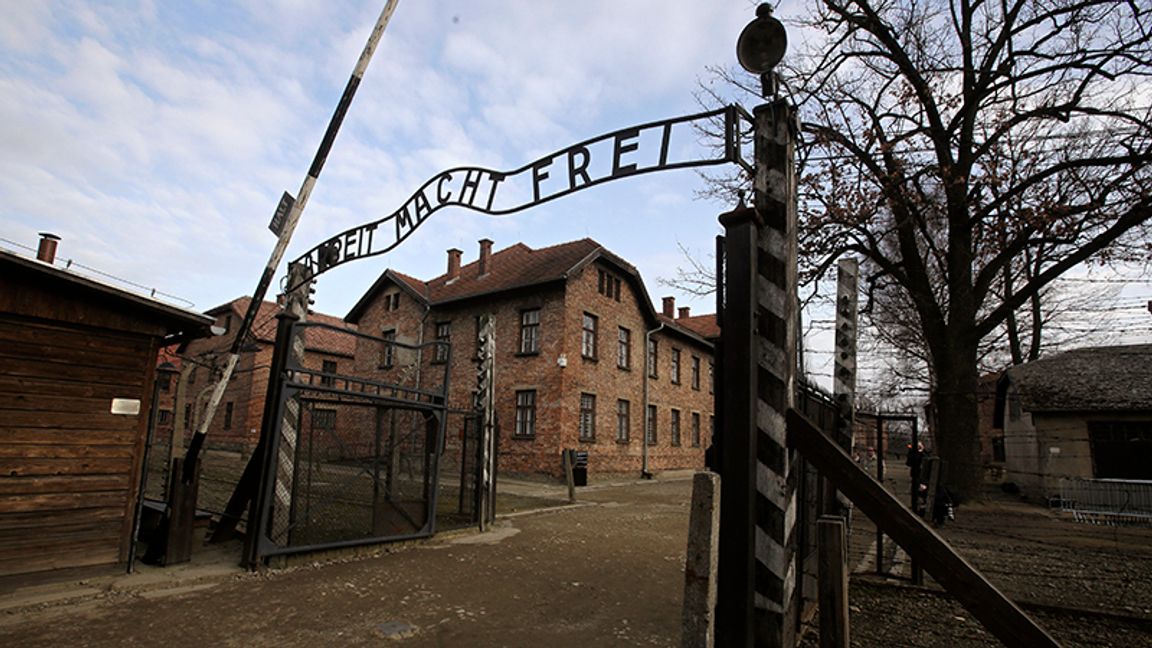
(583, 359)
(77, 363)
(1084, 413)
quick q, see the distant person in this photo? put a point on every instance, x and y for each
(915, 463)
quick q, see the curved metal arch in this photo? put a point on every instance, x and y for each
(478, 188)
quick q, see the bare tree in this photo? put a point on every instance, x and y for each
(970, 152)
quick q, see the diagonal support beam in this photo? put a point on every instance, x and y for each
(989, 605)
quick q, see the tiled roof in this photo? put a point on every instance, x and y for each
(519, 266)
(513, 267)
(705, 326)
(319, 339)
(1117, 378)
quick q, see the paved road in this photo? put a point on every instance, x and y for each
(605, 573)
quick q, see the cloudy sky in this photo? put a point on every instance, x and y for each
(156, 137)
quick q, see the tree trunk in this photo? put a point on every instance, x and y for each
(958, 422)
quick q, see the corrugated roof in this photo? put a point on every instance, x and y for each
(1115, 378)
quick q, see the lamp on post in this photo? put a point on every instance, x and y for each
(760, 48)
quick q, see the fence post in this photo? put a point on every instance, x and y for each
(700, 563)
(833, 582)
(844, 375)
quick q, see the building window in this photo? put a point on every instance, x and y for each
(443, 337)
(192, 376)
(695, 429)
(388, 349)
(1121, 449)
(675, 366)
(165, 381)
(392, 301)
(608, 285)
(650, 431)
(588, 337)
(530, 331)
(624, 349)
(228, 416)
(676, 427)
(328, 367)
(187, 416)
(526, 413)
(623, 421)
(165, 417)
(587, 417)
(652, 350)
(324, 419)
(695, 373)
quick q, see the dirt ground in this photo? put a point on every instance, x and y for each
(606, 572)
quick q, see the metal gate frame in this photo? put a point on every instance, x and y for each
(289, 379)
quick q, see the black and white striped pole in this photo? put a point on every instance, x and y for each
(844, 371)
(290, 210)
(486, 408)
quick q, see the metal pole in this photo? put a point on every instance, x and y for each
(285, 236)
(879, 478)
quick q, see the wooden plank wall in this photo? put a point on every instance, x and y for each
(68, 467)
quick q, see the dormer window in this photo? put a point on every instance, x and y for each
(608, 285)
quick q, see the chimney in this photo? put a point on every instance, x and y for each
(47, 251)
(454, 263)
(684, 312)
(485, 256)
(669, 307)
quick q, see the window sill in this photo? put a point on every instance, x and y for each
(623, 442)
(590, 358)
(526, 354)
(592, 440)
(522, 437)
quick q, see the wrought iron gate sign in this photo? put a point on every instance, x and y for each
(655, 146)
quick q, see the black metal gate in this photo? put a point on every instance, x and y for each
(353, 459)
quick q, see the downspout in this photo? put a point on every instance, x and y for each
(644, 473)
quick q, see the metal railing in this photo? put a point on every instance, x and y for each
(1107, 501)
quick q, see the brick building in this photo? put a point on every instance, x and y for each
(236, 425)
(583, 359)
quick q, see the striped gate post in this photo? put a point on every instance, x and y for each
(486, 406)
(296, 305)
(757, 602)
(774, 193)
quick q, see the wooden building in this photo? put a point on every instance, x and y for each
(76, 378)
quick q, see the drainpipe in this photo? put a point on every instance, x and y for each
(644, 433)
